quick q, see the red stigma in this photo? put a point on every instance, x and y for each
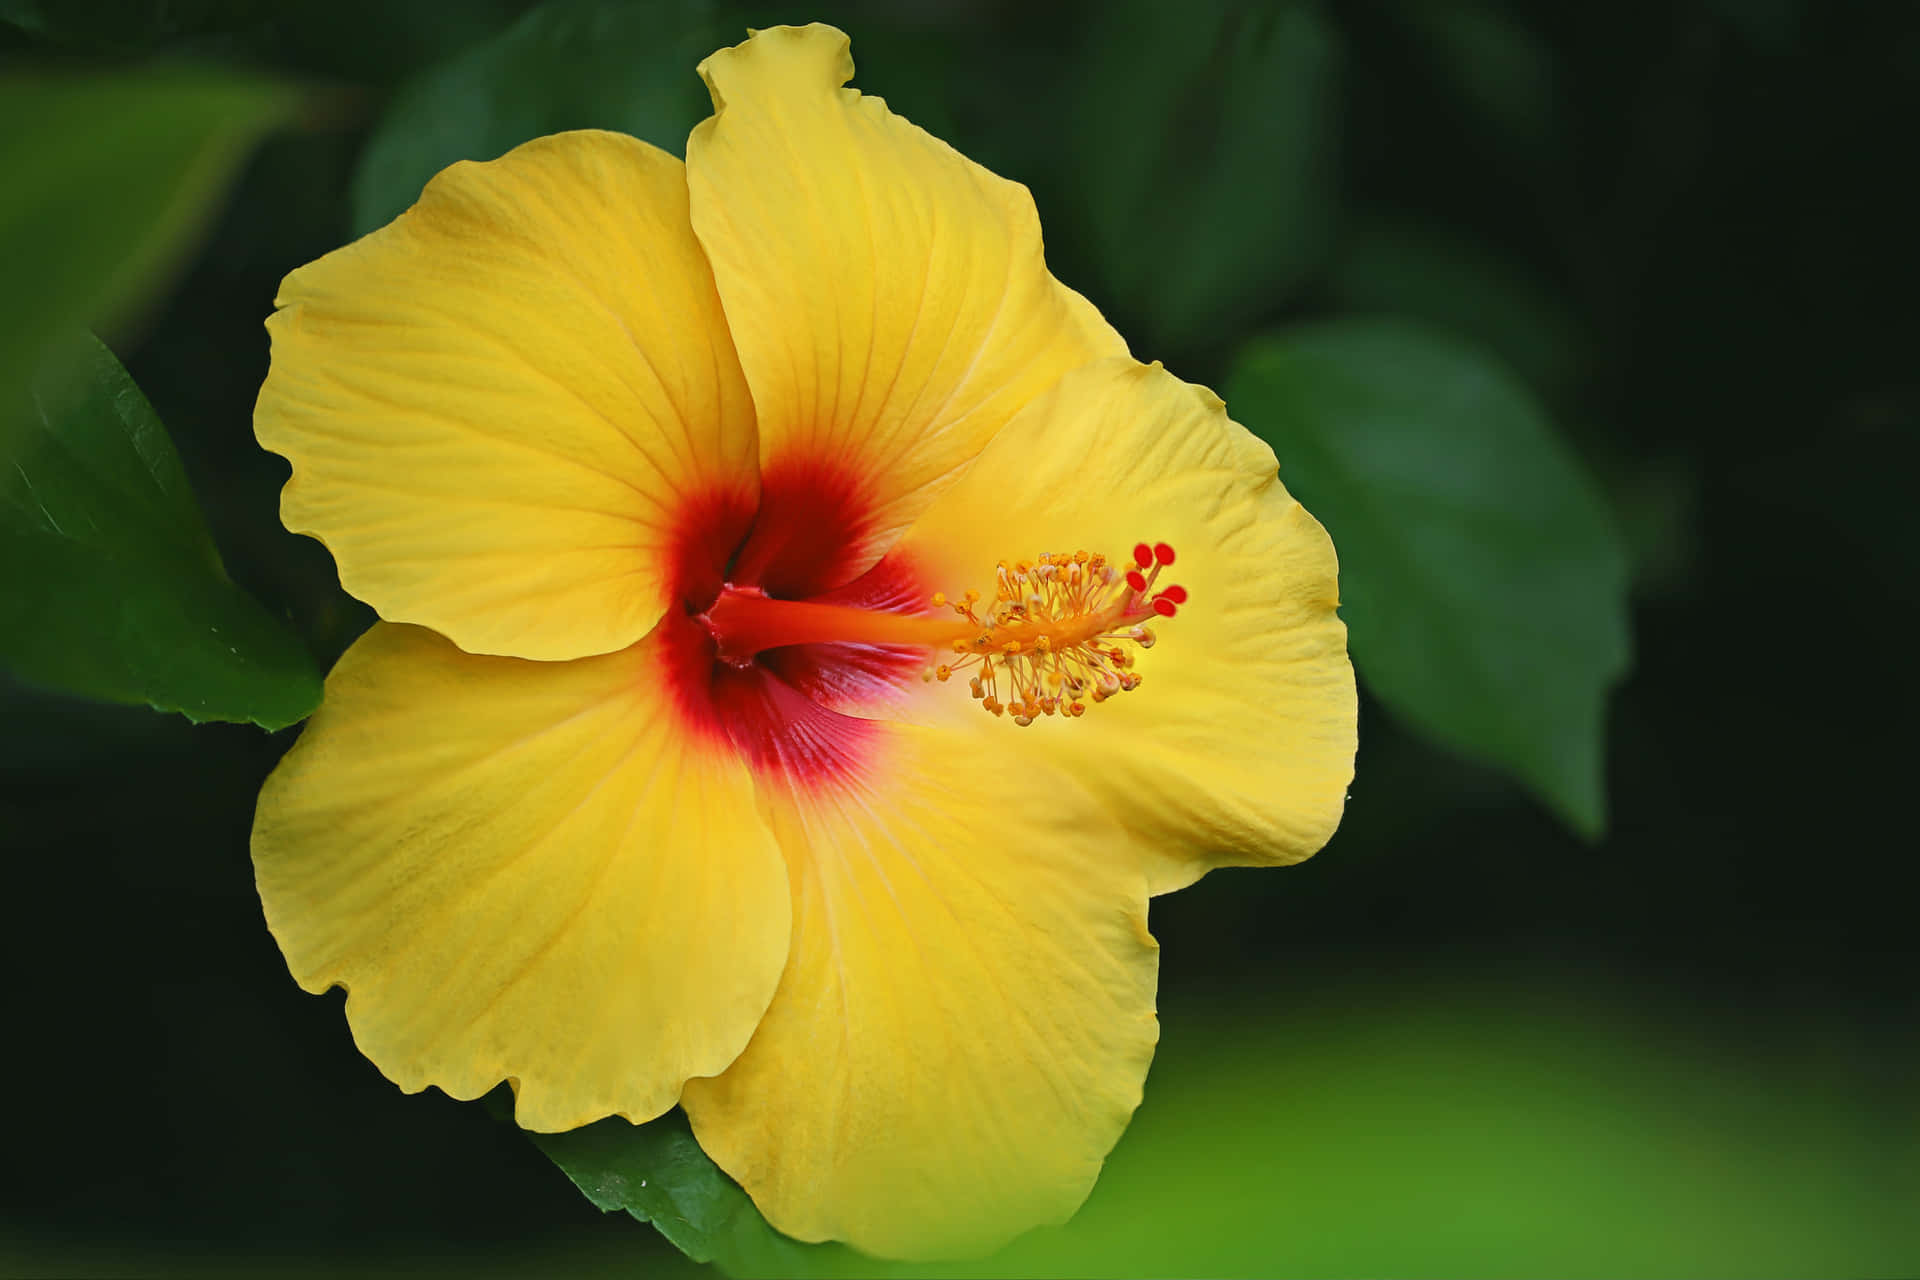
(1143, 555)
(1137, 580)
(1164, 607)
(1161, 552)
(1177, 594)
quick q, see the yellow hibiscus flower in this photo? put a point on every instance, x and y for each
(667, 778)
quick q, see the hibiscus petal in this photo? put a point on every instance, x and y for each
(888, 297)
(524, 871)
(967, 1017)
(502, 408)
(1238, 747)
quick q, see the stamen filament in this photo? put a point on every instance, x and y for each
(1058, 634)
(745, 622)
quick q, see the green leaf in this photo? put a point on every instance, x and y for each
(1498, 69)
(569, 64)
(1512, 1130)
(107, 179)
(1484, 583)
(658, 1173)
(1407, 268)
(109, 583)
(118, 24)
(1205, 136)
(1385, 1128)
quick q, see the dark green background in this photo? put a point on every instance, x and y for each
(1462, 1040)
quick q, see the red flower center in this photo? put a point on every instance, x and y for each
(783, 650)
(793, 711)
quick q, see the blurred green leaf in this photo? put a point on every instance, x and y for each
(109, 583)
(380, 42)
(658, 1173)
(118, 23)
(1204, 138)
(1402, 267)
(1492, 1132)
(107, 179)
(1499, 70)
(1483, 579)
(569, 64)
(1393, 1129)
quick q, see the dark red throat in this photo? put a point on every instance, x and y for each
(798, 713)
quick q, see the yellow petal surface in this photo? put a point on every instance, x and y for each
(1239, 745)
(888, 296)
(522, 870)
(499, 407)
(967, 1016)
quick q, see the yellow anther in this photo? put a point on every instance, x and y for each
(1062, 632)
(939, 598)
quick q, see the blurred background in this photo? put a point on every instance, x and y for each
(1588, 332)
